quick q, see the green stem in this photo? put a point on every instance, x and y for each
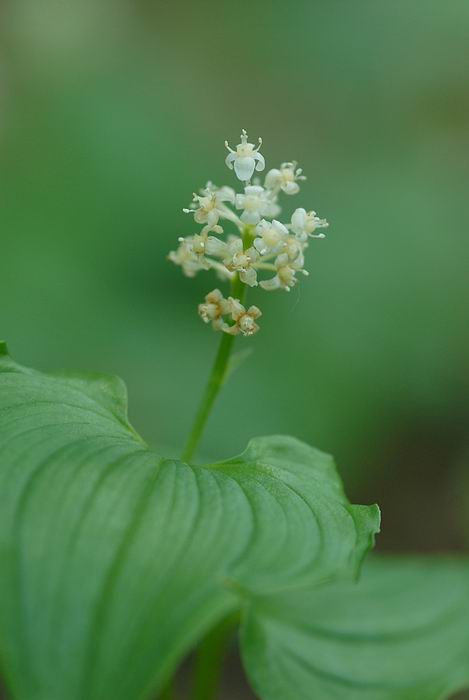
(220, 366)
(216, 379)
(209, 659)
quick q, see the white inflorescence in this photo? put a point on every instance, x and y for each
(262, 245)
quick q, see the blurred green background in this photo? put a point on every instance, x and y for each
(114, 111)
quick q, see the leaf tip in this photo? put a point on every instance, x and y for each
(3, 349)
(368, 524)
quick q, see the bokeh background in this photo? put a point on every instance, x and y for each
(114, 111)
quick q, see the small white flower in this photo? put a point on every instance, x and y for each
(190, 256)
(271, 236)
(209, 206)
(294, 249)
(256, 203)
(304, 224)
(286, 178)
(214, 308)
(245, 158)
(242, 261)
(233, 251)
(198, 243)
(286, 273)
(244, 321)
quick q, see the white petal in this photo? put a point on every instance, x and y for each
(250, 217)
(298, 220)
(218, 324)
(257, 190)
(281, 260)
(235, 245)
(200, 216)
(272, 178)
(226, 194)
(214, 246)
(237, 309)
(249, 277)
(279, 227)
(254, 312)
(259, 245)
(212, 217)
(252, 254)
(229, 160)
(244, 168)
(239, 201)
(291, 188)
(231, 330)
(260, 161)
(271, 285)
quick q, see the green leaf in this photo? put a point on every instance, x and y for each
(401, 633)
(115, 561)
(305, 530)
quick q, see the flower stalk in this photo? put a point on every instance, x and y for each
(218, 374)
(215, 382)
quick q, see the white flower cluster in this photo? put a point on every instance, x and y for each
(262, 244)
